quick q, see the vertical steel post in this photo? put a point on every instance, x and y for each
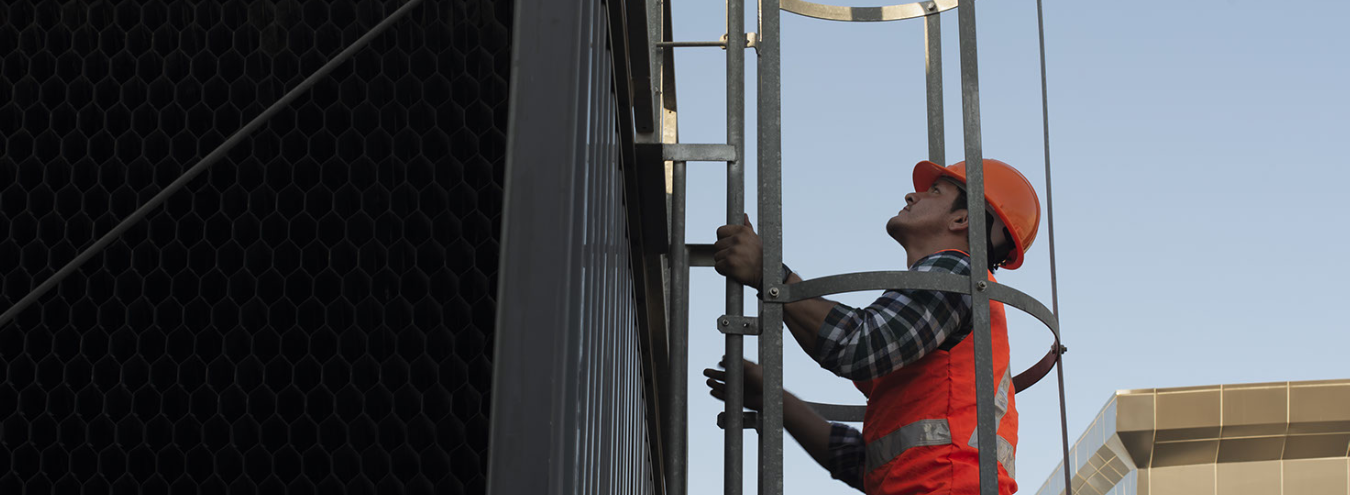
(984, 360)
(771, 225)
(932, 65)
(677, 448)
(733, 475)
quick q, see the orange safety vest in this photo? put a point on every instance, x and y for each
(920, 422)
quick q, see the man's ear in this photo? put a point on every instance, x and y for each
(958, 221)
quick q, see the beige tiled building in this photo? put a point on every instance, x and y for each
(1289, 438)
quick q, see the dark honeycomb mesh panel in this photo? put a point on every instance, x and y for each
(315, 314)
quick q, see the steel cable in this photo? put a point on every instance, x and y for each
(1050, 221)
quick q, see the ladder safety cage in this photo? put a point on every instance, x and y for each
(775, 294)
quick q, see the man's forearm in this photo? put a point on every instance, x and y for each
(804, 318)
(810, 430)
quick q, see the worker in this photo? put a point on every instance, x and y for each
(911, 351)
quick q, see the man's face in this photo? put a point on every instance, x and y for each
(926, 212)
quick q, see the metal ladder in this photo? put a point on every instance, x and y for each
(768, 326)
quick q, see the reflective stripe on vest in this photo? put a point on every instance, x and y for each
(920, 433)
(1000, 407)
(1006, 456)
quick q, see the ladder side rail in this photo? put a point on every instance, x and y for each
(677, 437)
(734, 436)
(979, 271)
(771, 222)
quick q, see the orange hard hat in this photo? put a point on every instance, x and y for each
(1006, 191)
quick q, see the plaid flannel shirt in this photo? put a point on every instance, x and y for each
(898, 329)
(847, 455)
(901, 327)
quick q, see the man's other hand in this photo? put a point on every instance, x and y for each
(739, 253)
(754, 384)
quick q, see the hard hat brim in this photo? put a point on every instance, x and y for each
(926, 172)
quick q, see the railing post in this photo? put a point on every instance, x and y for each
(677, 438)
(979, 264)
(771, 225)
(733, 474)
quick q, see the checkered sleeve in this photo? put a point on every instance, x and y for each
(847, 454)
(901, 327)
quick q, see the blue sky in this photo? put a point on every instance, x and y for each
(1198, 189)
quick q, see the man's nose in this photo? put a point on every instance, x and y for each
(909, 199)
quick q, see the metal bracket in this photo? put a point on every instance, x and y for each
(738, 325)
(751, 41)
(751, 420)
(685, 152)
(701, 254)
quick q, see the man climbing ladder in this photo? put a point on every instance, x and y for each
(908, 351)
